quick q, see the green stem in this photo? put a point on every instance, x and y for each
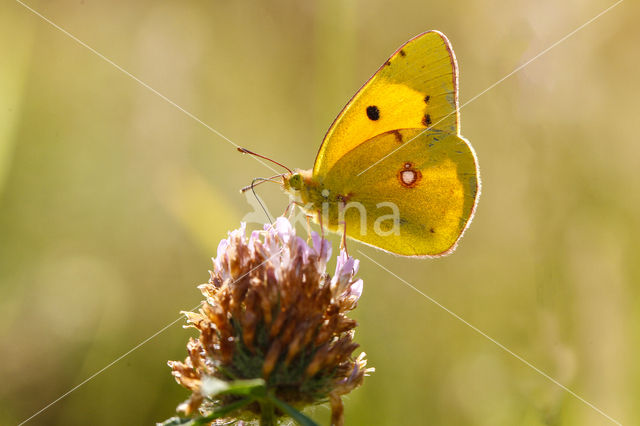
(267, 413)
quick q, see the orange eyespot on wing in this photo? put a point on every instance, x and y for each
(409, 176)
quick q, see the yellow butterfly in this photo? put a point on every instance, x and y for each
(393, 170)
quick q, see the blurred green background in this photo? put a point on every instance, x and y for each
(112, 201)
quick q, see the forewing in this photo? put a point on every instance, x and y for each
(415, 88)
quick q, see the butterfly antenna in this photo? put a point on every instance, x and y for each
(252, 188)
(259, 181)
(246, 151)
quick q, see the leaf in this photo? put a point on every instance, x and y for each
(253, 387)
(223, 411)
(292, 412)
(212, 386)
(216, 414)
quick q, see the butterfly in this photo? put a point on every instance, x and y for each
(393, 170)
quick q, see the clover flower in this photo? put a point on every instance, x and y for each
(274, 332)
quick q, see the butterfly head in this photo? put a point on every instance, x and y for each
(298, 183)
(297, 180)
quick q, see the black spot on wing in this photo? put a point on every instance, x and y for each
(373, 113)
(426, 120)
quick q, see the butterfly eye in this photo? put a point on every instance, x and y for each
(295, 181)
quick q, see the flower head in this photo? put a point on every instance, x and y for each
(271, 312)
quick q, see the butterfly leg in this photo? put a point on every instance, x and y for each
(319, 217)
(288, 211)
(321, 225)
(343, 241)
(308, 218)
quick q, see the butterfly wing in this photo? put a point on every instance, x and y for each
(415, 88)
(417, 202)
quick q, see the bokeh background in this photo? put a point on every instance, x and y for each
(112, 201)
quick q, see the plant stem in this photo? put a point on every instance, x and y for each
(267, 413)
